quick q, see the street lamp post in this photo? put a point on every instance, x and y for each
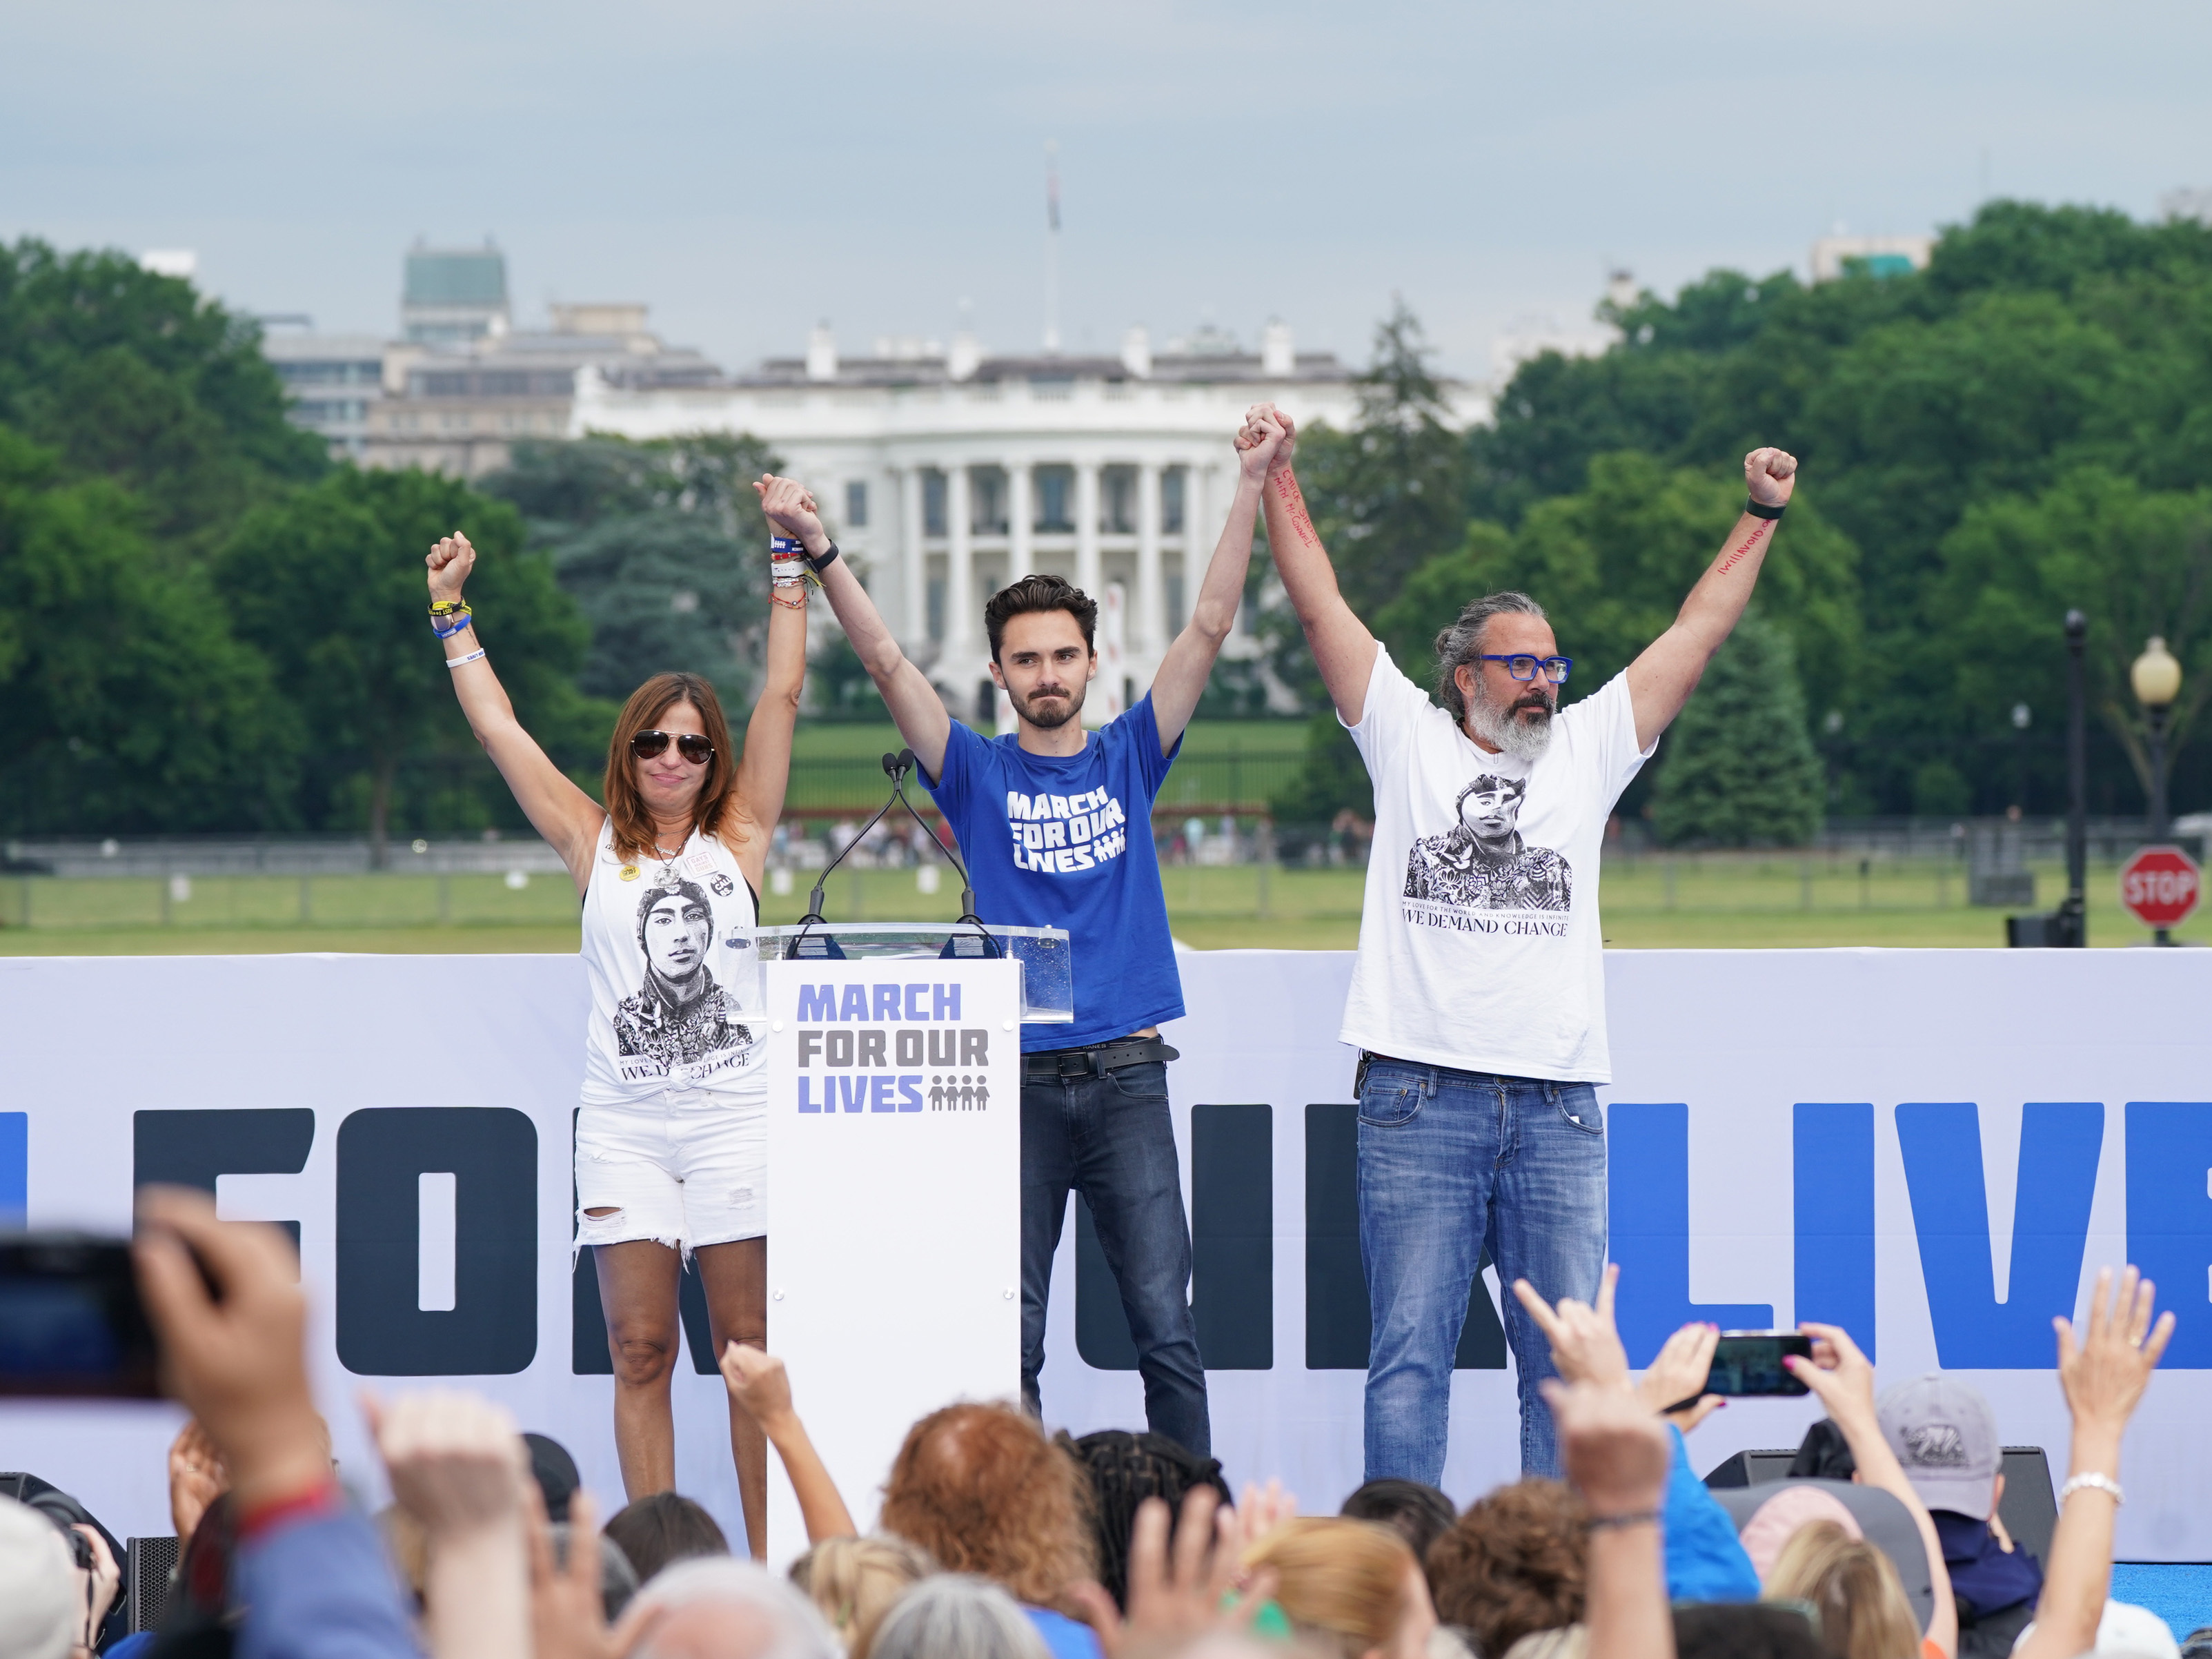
(2156, 679)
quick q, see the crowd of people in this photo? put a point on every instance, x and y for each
(996, 1539)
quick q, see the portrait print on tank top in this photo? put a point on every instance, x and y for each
(675, 974)
(679, 1017)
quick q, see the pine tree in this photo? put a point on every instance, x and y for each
(1740, 770)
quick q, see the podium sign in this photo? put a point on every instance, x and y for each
(893, 1148)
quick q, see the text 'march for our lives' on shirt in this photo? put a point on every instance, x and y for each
(1049, 844)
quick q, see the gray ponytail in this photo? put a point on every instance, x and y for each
(1462, 642)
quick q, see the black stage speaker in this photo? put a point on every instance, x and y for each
(2029, 1509)
(150, 1571)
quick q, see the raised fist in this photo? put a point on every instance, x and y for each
(1259, 439)
(1260, 416)
(1771, 475)
(789, 506)
(450, 562)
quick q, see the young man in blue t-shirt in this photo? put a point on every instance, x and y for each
(1056, 825)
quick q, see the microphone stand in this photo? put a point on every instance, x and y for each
(896, 766)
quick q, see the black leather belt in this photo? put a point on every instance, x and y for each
(1100, 1058)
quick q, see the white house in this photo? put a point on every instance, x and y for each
(946, 474)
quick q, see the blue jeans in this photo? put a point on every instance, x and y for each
(1110, 1139)
(1450, 1162)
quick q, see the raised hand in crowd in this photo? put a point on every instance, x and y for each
(197, 1477)
(1679, 1374)
(1261, 1509)
(225, 1302)
(2103, 1373)
(237, 1357)
(1617, 1455)
(1843, 1377)
(1585, 1342)
(758, 1381)
(1178, 1598)
(95, 1591)
(458, 1466)
(567, 1605)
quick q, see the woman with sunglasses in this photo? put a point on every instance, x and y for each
(671, 1141)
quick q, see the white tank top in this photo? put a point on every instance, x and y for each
(676, 982)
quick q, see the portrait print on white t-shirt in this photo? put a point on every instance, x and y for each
(1482, 862)
(679, 1019)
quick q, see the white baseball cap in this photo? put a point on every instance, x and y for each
(1945, 1435)
(38, 1585)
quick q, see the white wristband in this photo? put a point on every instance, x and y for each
(2103, 1483)
(455, 662)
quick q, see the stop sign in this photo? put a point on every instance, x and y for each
(2160, 885)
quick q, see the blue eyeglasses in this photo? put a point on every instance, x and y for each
(1523, 666)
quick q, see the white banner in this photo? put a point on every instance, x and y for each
(1937, 1148)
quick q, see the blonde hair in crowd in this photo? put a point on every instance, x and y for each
(1347, 1579)
(854, 1581)
(1863, 1611)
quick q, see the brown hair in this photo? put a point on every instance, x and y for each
(634, 831)
(1039, 593)
(1855, 1587)
(1512, 1564)
(982, 1489)
(663, 1526)
(1343, 1578)
(855, 1582)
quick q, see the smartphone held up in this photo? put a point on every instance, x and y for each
(71, 1324)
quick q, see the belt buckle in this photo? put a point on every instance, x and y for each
(1082, 1062)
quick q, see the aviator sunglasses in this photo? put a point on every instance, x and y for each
(651, 746)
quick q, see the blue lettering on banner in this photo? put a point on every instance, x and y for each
(806, 1101)
(818, 1002)
(944, 1002)
(879, 1094)
(855, 1003)
(2059, 1144)
(910, 1092)
(1649, 1229)
(2169, 1213)
(1832, 1197)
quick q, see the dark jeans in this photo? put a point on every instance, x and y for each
(1450, 1162)
(1109, 1137)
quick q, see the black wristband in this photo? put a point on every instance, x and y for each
(818, 566)
(1639, 1518)
(1758, 509)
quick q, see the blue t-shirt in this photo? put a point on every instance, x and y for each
(1066, 841)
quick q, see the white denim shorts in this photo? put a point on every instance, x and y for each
(684, 1168)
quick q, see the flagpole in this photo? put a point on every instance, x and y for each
(1052, 247)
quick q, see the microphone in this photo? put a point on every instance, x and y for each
(895, 768)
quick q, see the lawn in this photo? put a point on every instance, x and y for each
(1735, 902)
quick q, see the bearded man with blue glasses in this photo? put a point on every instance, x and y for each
(1478, 1000)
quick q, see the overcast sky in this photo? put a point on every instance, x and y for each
(748, 170)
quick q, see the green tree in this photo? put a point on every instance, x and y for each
(2135, 561)
(660, 543)
(134, 377)
(1739, 768)
(329, 586)
(126, 704)
(1390, 493)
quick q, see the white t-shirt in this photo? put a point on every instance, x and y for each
(1478, 940)
(675, 975)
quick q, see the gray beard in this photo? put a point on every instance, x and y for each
(1504, 730)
